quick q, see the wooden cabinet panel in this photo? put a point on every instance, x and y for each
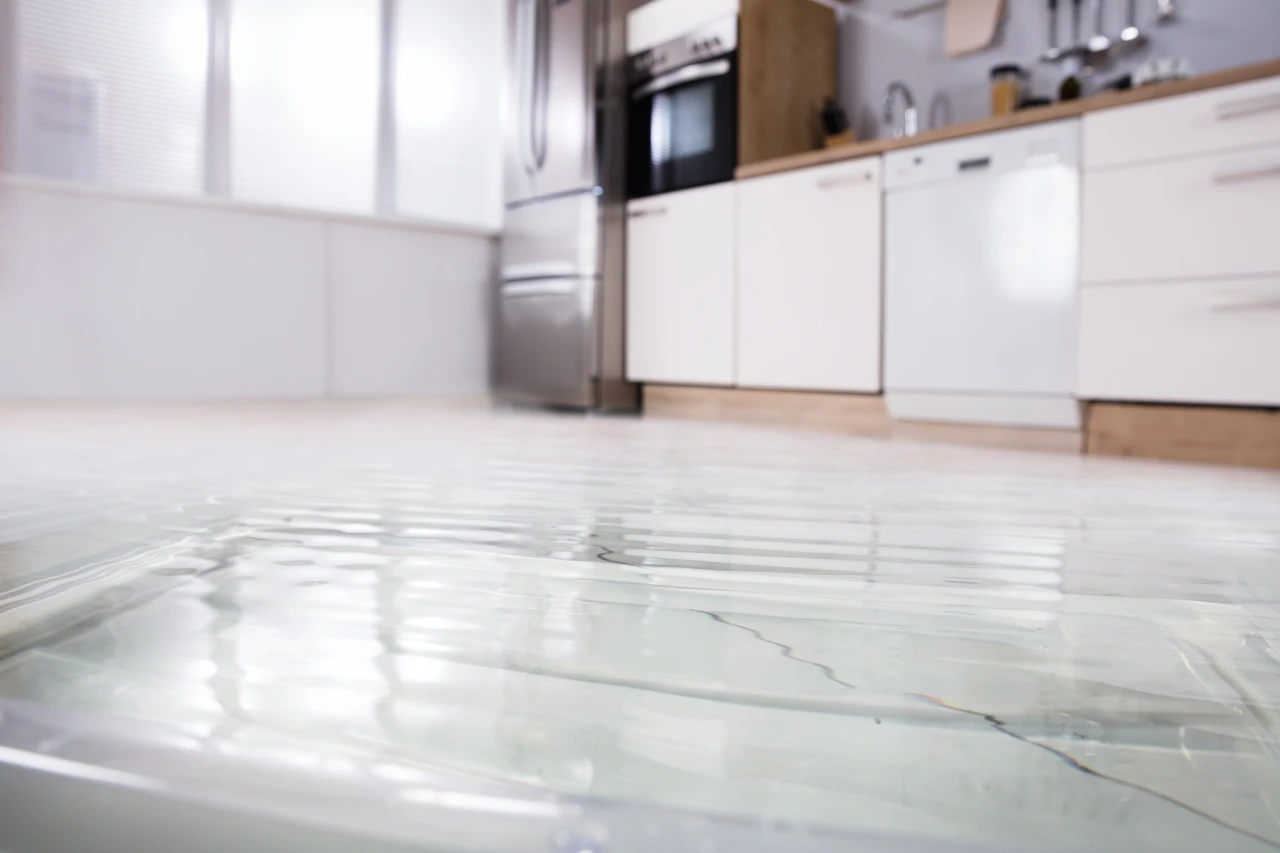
(787, 56)
(809, 290)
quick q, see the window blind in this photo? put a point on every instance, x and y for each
(304, 102)
(111, 91)
(449, 61)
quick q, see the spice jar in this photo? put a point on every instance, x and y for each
(1006, 89)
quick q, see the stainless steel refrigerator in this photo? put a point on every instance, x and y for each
(559, 310)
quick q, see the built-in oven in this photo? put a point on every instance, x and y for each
(683, 119)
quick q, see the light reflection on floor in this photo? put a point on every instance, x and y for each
(957, 642)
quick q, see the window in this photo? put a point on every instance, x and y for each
(448, 78)
(112, 91)
(304, 102)
(283, 105)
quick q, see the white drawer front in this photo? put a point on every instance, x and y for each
(1201, 123)
(1204, 218)
(1193, 342)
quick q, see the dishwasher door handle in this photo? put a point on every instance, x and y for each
(976, 164)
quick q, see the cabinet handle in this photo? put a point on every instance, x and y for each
(1261, 303)
(1247, 175)
(651, 211)
(845, 181)
(1248, 107)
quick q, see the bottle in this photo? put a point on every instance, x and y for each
(1071, 89)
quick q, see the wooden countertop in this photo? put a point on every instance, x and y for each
(1036, 115)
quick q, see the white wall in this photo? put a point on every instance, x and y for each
(409, 311)
(110, 297)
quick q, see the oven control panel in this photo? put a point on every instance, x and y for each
(709, 42)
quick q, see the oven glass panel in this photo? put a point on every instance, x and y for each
(684, 136)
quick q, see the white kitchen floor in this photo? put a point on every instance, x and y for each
(969, 644)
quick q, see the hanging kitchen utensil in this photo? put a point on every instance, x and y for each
(1054, 50)
(972, 25)
(1099, 43)
(1131, 35)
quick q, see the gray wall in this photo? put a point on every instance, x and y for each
(876, 49)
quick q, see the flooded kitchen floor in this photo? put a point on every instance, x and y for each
(959, 643)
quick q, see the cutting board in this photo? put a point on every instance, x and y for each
(972, 24)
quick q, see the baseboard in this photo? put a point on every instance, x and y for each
(846, 414)
(984, 435)
(1209, 434)
(849, 414)
(990, 410)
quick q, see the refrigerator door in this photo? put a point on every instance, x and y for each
(555, 238)
(550, 145)
(546, 339)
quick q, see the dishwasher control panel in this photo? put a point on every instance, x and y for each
(1049, 144)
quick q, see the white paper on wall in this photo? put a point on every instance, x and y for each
(58, 126)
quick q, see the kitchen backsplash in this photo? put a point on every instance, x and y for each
(877, 49)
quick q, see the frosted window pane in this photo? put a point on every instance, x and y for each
(112, 91)
(449, 57)
(304, 102)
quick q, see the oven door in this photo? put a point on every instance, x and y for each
(684, 128)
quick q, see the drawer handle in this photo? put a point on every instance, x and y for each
(1263, 303)
(521, 289)
(1248, 107)
(651, 211)
(1247, 175)
(845, 181)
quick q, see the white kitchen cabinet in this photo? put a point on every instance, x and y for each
(1180, 263)
(680, 287)
(1199, 342)
(1201, 217)
(809, 250)
(1222, 119)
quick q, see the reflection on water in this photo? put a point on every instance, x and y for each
(1004, 648)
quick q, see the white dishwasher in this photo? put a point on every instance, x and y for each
(982, 253)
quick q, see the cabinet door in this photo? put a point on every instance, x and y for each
(680, 286)
(809, 279)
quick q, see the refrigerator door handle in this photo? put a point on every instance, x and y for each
(526, 63)
(541, 82)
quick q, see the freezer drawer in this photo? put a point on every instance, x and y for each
(546, 340)
(555, 238)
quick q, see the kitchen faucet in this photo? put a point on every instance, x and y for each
(910, 117)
